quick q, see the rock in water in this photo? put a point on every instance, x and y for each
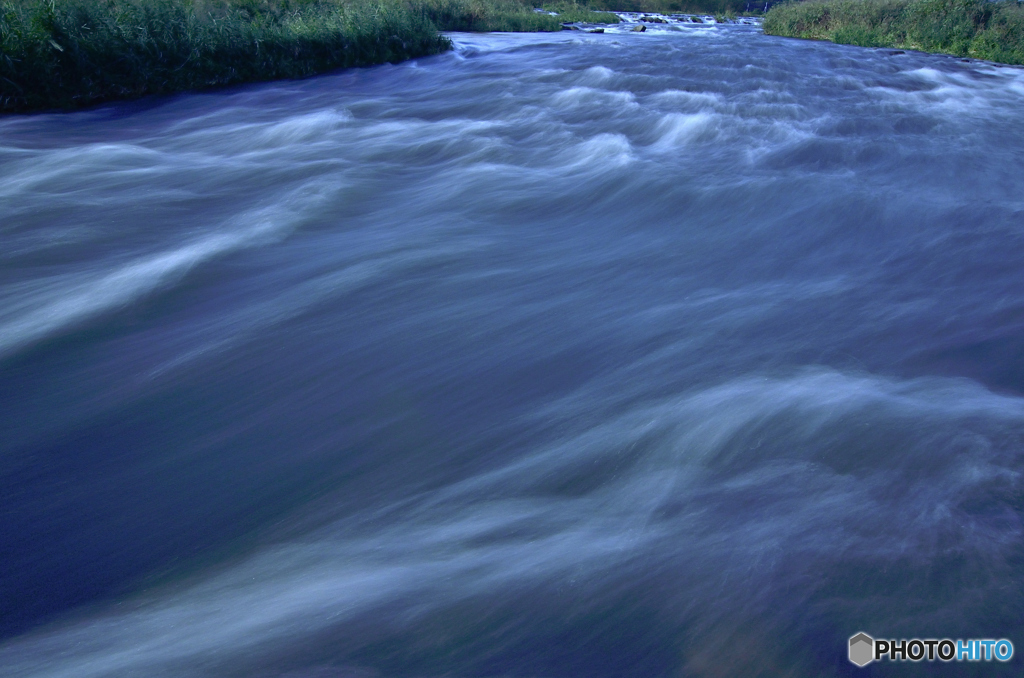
(639, 29)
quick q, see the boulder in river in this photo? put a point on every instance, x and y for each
(596, 30)
(639, 29)
(653, 19)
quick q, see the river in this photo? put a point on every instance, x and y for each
(690, 352)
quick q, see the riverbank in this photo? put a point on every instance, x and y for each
(76, 53)
(712, 7)
(993, 31)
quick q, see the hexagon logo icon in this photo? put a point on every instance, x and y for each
(862, 649)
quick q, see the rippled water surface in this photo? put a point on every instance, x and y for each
(684, 353)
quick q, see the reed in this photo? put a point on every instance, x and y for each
(714, 7)
(993, 31)
(504, 15)
(74, 53)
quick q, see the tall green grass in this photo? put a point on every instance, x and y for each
(572, 10)
(970, 28)
(485, 15)
(70, 53)
(717, 7)
(73, 53)
(504, 15)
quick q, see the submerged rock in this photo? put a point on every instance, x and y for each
(596, 30)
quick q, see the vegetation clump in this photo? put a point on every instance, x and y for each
(582, 13)
(712, 7)
(70, 53)
(968, 28)
(74, 53)
(505, 15)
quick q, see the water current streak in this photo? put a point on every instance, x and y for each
(689, 352)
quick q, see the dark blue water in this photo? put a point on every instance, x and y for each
(684, 353)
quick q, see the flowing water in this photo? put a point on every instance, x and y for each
(690, 352)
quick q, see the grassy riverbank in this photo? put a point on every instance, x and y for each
(715, 7)
(73, 53)
(969, 28)
(70, 53)
(504, 15)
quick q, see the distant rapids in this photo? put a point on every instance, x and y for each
(690, 352)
